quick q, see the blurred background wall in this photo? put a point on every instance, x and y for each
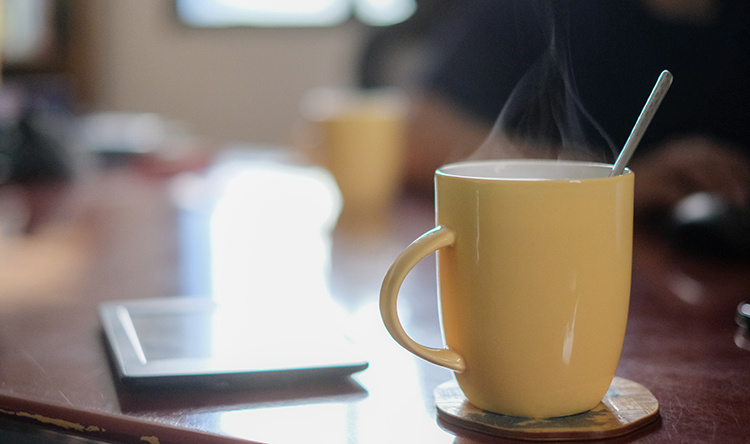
(230, 85)
(239, 84)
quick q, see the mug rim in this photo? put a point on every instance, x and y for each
(552, 169)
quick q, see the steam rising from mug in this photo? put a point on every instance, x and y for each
(544, 117)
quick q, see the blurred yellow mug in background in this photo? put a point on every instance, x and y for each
(361, 141)
(534, 266)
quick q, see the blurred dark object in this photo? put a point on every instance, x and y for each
(743, 315)
(29, 155)
(742, 335)
(46, 74)
(34, 121)
(708, 224)
(397, 55)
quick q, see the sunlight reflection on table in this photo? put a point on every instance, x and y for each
(393, 410)
(270, 248)
(271, 232)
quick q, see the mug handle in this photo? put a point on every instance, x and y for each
(426, 244)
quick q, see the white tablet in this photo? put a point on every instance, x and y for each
(197, 342)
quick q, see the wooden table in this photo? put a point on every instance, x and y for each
(112, 234)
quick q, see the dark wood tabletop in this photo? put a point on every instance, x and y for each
(126, 233)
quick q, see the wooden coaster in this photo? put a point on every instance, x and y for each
(627, 406)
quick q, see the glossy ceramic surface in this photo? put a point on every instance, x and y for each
(534, 263)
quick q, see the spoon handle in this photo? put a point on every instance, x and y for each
(649, 109)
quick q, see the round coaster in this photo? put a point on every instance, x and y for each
(627, 406)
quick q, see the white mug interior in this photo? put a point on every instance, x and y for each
(527, 169)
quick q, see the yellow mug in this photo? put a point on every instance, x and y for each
(362, 136)
(534, 268)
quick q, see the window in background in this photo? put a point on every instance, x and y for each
(290, 13)
(27, 30)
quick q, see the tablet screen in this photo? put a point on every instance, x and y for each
(174, 336)
(196, 341)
